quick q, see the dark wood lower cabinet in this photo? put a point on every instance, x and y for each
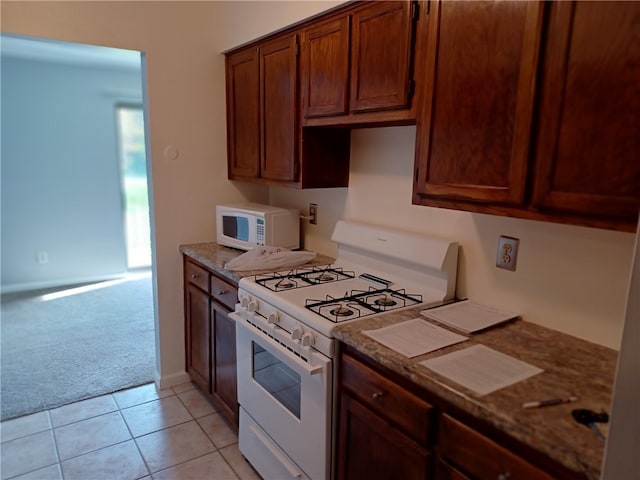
(462, 449)
(389, 428)
(371, 448)
(198, 334)
(210, 336)
(384, 430)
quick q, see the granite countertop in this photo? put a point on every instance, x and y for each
(571, 367)
(214, 257)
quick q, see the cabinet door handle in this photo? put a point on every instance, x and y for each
(504, 476)
(377, 396)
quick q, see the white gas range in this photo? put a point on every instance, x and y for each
(285, 346)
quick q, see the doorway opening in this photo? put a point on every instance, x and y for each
(77, 301)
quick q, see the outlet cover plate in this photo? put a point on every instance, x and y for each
(507, 253)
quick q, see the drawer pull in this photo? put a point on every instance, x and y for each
(195, 275)
(221, 292)
(377, 395)
(504, 476)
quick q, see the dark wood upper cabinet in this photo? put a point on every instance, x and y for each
(278, 109)
(325, 68)
(587, 157)
(266, 143)
(381, 50)
(262, 112)
(474, 130)
(357, 65)
(532, 111)
(243, 131)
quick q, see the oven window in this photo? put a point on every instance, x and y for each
(235, 227)
(277, 378)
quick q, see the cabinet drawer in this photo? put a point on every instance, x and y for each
(197, 275)
(224, 292)
(479, 457)
(410, 413)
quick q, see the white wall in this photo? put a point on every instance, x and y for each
(60, 177)
(571, 279)
(185, 80)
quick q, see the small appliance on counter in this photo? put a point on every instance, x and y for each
(247, 225)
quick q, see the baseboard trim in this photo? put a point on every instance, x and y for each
(167, 381)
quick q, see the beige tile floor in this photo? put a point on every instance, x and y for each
(138, 433)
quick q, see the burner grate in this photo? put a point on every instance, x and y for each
(359, 303)
(303, 277)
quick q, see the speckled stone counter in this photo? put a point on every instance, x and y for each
(214, 257)
(571, 367)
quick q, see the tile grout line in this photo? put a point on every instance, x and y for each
(52, 431)
(144, 461)
(55, 445)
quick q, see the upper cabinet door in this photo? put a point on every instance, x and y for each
(279, 109)
(243, 141)
(473, 132)
(381, 56)
(325, 68)
(587, 158)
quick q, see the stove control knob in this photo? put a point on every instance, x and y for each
(253, 306)
(297, 333)
(273, 318)
(244, 301)
(307, 339)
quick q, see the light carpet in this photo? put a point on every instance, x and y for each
(60, 349)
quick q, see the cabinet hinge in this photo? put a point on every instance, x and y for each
(297, 49)
(415, 11)
(412, 87)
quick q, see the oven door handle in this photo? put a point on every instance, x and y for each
(277, 347)
(284, 461)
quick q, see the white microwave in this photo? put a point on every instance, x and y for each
(248, 225)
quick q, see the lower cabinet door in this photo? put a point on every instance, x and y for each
(198, 335)
(223, 361)
(369, 447)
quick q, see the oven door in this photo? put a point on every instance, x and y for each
(287, 394)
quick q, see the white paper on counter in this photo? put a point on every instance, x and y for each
(468, 316)
(414, 337)
(481, 368)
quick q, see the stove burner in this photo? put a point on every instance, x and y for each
(385, 301)
(341, 311)
(285, 283)
(325, 277)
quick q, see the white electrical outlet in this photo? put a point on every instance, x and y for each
(507, 253)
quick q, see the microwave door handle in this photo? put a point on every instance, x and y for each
(277, 348)
(284, 461)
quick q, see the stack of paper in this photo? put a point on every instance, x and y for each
(468, 316)
(481, 368)
(414, 337)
